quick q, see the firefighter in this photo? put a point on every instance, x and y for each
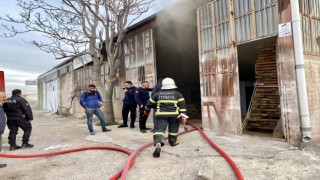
(141, 97)
(19, 115)
(169, 104)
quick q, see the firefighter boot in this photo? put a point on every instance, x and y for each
(157, 151)
(173, 140)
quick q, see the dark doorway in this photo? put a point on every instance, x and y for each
(176, 46)
(260, 100)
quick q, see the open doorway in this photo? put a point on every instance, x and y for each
(176, 47)
(259, 91)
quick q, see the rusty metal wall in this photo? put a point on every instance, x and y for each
(139, 58)
(287, 80)
(218, 68)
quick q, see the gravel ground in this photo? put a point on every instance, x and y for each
(257, 158)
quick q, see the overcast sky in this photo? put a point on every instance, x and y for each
(21, 61)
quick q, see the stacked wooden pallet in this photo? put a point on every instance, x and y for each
(265, 106)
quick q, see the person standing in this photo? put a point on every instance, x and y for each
(129, 105)
(91, 101)
(169, 104)
(156, 89)
(2, 121)
(141, 98)
(19, 115)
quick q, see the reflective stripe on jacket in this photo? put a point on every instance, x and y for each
(169, 103)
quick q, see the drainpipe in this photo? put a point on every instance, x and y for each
(300, 72)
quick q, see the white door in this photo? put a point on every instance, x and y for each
(51, 96)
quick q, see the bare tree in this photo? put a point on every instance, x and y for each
(74, 28)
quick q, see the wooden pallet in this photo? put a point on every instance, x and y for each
(264, 112)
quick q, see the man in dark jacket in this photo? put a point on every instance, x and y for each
(2, 121)
(91, 101)
(19, 115)
(157, 87)
(129, 105)
(141, 97)
(169, 104)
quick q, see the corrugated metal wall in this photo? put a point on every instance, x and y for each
(218, 69)
(139, 58)
(221, 25)
(310, 12)
(255, 19)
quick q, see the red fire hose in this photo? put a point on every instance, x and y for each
(131, 160)
(225, 155)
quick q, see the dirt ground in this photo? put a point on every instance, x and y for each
(258, 158)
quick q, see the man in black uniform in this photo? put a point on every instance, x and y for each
(169, 104)
(141, 97)
(19, 115)
(156, 89)
(129, 105)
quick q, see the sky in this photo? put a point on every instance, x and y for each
(21, 61)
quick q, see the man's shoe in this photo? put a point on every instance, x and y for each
(147, 129)
(92, 133)
(157, 151)
(132, 126)
(3, 165)
(122, 126)
(14, 147)
(106, 130)
(26, 145)
(143, 131)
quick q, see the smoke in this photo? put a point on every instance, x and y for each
(177, 43)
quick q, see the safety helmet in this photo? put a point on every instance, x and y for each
(168, 83)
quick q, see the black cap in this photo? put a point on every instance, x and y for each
(16, 91)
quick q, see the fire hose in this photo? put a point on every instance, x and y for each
(122, 174)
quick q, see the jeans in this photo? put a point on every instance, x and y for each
(95, 111)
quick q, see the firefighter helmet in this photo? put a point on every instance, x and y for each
(168, 83)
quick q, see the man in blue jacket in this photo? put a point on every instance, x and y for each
(129, 105)
(2, 121)
(141, 97)
(91, 101)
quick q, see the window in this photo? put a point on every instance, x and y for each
(82, 78)
(139, 57)
(310, 11)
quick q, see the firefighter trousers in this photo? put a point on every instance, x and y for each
(160, 126)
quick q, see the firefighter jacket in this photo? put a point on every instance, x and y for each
(17, 107)
(168, 103)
